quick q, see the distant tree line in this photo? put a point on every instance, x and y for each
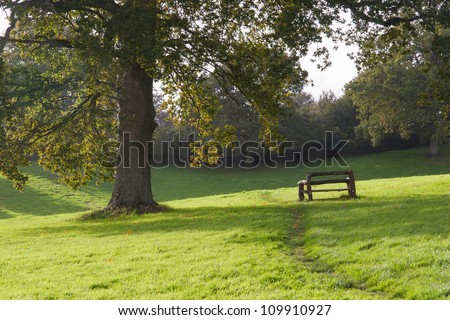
(385, 107)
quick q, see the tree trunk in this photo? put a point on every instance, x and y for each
(434, 143)
(132, 188)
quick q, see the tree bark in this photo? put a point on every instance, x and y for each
(434, 144)
(132, 187)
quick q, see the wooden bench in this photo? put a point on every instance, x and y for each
(349, 180)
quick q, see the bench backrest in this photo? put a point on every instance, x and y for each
(348, 173)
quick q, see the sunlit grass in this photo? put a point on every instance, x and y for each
(246, 238)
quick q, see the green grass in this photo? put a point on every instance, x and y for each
(236, 234)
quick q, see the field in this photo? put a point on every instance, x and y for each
(236, 234)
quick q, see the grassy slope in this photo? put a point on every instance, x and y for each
(392, 242)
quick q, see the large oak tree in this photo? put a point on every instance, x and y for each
(79, 74)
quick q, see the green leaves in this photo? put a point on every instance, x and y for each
(12, 157)
(57, 111)
(404, 49)
(67, 59)
(389, 101)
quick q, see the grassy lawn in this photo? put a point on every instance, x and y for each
(236, 234)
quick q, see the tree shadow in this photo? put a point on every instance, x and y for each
(252, 222)
(45, 197)
(39, 204)
(176, 184)
(4, 214)
(360, 224)
(344, 220)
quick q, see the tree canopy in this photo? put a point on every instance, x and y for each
(405, 55)
(391, 99)
(77, 73)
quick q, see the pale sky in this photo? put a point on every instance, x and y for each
(341, 71)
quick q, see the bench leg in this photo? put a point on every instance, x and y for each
(351, 185)
(353, 192)
(301, 192)
(309, 191)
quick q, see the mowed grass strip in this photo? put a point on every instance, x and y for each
(390, 243)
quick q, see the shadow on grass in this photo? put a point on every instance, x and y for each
(262, 222)
(345, 221)
(33, 202)
(45, 196)
(5, 214)
(347, 229)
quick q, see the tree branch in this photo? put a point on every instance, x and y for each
(12, 24)
(70, 5)
(42, 133)
(53, 43)
(358, 8)
(63, 6)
